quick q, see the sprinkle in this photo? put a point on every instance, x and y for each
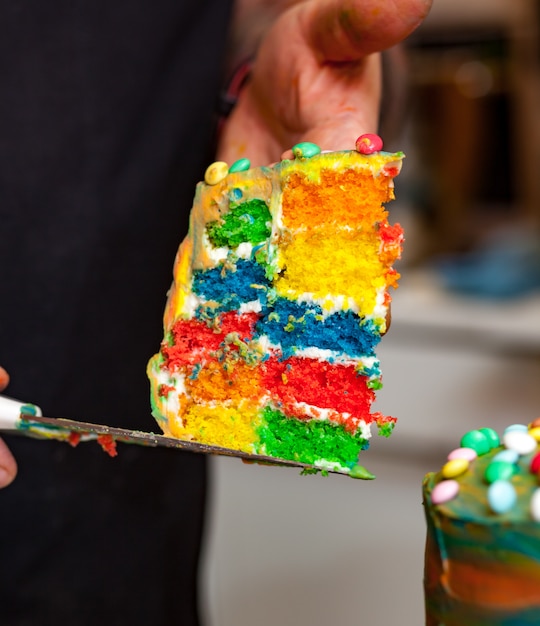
(501, 496)
(369, 143)
(444, 491)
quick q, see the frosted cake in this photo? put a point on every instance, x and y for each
(482, 562)
(279, 299)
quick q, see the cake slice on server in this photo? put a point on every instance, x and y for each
(280, 296)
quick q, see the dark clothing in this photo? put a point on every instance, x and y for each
(106, 115)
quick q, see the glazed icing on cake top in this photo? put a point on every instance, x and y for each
(280, 295)
(483, 544)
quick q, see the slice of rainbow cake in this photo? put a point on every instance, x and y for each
(280, 296)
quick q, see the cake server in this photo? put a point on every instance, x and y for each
(27, 419)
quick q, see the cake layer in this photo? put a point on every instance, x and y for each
(279, 299)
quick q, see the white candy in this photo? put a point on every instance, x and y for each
(520, 442)
(535, 505)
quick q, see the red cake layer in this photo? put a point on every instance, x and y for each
(318, 383)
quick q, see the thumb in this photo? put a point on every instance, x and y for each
(8, 465)
(348, 30)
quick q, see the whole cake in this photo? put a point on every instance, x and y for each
(280, 296)
(482, 560)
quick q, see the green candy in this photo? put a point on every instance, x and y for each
(499, 470)
(305, 150)
(240, 166)
(476, 440)
(359, 471)
(492, 437)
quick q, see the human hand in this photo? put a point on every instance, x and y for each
(8, 466)
(317, 77)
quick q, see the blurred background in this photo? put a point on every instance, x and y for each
(463, 351)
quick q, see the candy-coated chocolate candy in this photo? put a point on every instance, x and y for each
(535, 423)
(513, 427)
(519, 441)
(444, 491)
(454, 468)
(240, 166)
(492, 436)
(499, 470)
(535, 432)
(501, 496)
(477, 441)
(216, 172)
(369, 143)
(462, 453)
(509, 456)
(535, 463)
(535, 505)
(305, 150)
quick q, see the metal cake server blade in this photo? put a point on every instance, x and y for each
(26, 419)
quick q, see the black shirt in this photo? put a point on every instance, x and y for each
(106, 122)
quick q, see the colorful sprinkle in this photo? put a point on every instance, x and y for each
(369, 143)
(216, 172)
(454, 468)
(476, 440)
(501, 496)
(305, 150)
(240, 166)
(444, 491)
(519, 441)
(462, 453)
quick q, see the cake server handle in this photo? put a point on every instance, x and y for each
(11, 411)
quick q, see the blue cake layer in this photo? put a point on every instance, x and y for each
(297, 325)
(231, 287)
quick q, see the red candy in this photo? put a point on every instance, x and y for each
(535, 463)
(369, 143)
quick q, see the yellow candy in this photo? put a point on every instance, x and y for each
(535, 433)
(216, 172)
(454, 468)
